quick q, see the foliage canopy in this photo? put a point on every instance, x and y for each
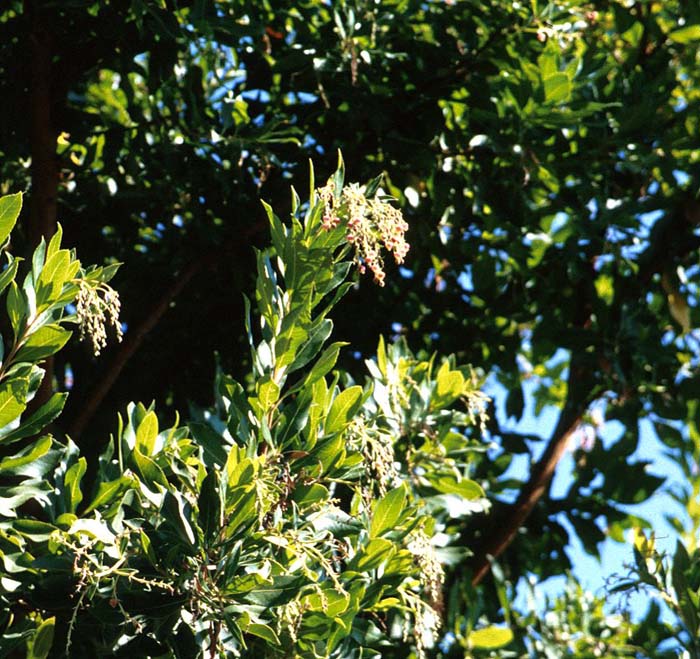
(545, 156)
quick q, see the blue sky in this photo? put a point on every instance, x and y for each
(591, 572)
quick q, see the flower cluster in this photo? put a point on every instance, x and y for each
(425, 625)
(370, 225)
(97, 305)
(432, 576)
(378, 451)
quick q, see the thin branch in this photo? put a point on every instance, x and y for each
(134, 338)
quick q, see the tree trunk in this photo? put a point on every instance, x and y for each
(44, 168)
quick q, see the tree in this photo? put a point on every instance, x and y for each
(545, 156)
(295, 511)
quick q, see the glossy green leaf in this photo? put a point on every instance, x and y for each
(38, 421)
(329, 601)
(33, 528)
(13, 399)
(151, 474)
(343, 408)
(16, 308)
(210, 505)
(146, 434)
(283, 590)
(685, 35)
(263, 631)
(387, 511)
(177, 512)
(465, 487)
(10, 207)
(54, 274)
(307, 494)
(557, 88)
(34, 461)
(449, 385)
(339, 176)
(8, 274)
(71, 481)
(316, 338)
(490, 638)
(107, 492)
(374, 554)
(43, 343)
(268, 394)
(325, 362)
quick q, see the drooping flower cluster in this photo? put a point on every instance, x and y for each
(370, 225)
(432, 576)
(424, 626)
(378, 451)
(97, 306)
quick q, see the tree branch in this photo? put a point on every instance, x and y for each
(132, 342)
(136, 336)
(44, 167)
(501, 535)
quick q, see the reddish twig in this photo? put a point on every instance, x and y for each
(501, 535)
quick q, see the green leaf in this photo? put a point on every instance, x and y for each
(343, 408)
(328, 453)
(387, 512)
(176, 511)
(283, 590)
(213, 444)
(43, 343)
(306, 494)
(43, 640)
(276, 229)
(146, 434)
(34, 461)
(108, 492)
(13, 399)
(316, 338)
(244, 514)
(33, 528)
(53, 275)
(490, 638)
(328, 601)
(210, 505)
(264, 632)
(336, 522)
(466, 488)
(55, 242)
(325, 362)
(339, 176)
(268, 394)
(372, 555)
(148, 470)
(686, 34)
(148, 548)
(72, 479)
(557, 88)
(449, 385)
(10, 207)
(373, 186)
(9, 273)
(39, 420)
(16, 307)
